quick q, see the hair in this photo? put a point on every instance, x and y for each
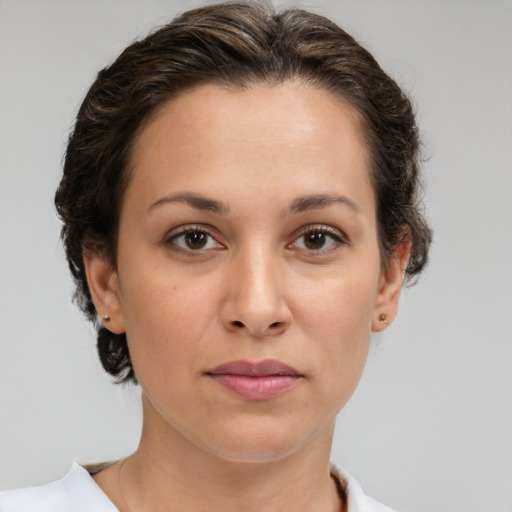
(236, 45)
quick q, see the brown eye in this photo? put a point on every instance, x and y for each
(318, 240)
(314, 240)
(196, 239)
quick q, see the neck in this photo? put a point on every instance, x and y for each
(168, 469)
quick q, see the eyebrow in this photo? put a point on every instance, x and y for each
(196, 201)
(305, 203)
(298, 205)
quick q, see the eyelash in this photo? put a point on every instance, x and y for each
(185, 230)
(337, 239)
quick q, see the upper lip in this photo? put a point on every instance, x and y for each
(263, 368)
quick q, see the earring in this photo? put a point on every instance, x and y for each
(105, 318)
(384, 318)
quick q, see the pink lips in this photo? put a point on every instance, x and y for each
(256, 381)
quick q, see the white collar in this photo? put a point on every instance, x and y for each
(78, 492)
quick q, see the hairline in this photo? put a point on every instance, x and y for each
(237, 85)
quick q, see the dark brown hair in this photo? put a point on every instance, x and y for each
(234, 44)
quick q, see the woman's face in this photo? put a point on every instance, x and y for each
(248, 277)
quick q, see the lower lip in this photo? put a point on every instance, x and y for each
(256, 388)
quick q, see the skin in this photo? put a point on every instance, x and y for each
(281, 164)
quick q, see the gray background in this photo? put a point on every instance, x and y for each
(430, 427)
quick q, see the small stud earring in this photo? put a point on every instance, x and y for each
(384, 318)
(105, 318)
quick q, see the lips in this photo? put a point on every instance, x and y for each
(255, 381)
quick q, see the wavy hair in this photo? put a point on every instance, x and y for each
(233, 44)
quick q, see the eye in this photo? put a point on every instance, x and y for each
(193, 239)
(319, 239)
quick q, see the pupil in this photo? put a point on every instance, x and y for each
(196, 239)
(315, 240)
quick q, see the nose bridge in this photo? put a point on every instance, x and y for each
(259, 286)
(257, 302)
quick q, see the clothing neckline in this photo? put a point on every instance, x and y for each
(78, 491)
(340, 479)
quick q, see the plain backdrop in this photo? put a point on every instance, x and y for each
(430, 426)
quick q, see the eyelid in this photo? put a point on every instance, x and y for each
(322, 228)
(337, 235)
(185, 228)
(190, 228)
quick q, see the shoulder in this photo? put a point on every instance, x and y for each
(357, 501)
(77, 491)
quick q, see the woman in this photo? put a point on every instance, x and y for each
(240, 211)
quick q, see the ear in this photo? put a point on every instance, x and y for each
(390, 286)
(104, 287)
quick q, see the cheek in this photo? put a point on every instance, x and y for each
(336, 317)
(166, 319)
(339, 304)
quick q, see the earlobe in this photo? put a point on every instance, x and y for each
(104, 287)
(390, 286)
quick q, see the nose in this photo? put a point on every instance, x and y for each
(256, 301)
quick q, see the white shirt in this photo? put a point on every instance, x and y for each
(78, 492)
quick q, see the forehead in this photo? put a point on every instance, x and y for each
(285, 134)
(260, 109)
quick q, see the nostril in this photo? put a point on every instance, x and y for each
(237, 323)
(274, 325)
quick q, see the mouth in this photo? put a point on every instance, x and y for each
(255, 381)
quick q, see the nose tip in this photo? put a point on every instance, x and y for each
(256, 300)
